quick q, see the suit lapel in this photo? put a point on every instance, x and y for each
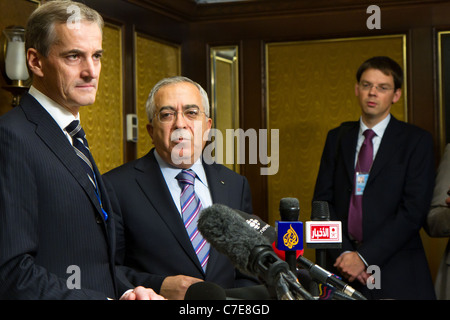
(50, 133)
(218, 189)
(389, 146)
(152, 183)
(216, 184)
(348, 149)
(392, 137)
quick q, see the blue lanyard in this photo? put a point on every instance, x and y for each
(105, 215)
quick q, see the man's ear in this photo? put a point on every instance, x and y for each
(34, 60)
(397, 95)
(357, 89)
(150, 130)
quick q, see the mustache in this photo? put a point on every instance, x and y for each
(180, 134)
(87, 82)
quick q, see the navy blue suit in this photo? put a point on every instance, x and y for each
(50, 218)
(395, 204)
(151, 235)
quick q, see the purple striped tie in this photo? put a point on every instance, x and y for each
(190, 209)
(364, 164)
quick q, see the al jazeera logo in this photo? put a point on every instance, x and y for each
(289, 235)
(290, 238)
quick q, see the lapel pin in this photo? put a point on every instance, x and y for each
(222, 182)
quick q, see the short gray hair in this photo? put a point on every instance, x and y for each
(40, 31)
(150, 105)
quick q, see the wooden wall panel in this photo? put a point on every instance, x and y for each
(310, 90)
(103, 121)
(155, 60)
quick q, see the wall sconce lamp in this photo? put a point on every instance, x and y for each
(13, 62)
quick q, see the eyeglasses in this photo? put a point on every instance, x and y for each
(367, 86)
(169, 115)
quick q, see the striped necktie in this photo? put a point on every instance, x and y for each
(190, 209)
(81, 147)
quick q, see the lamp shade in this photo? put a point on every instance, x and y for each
(15, 61)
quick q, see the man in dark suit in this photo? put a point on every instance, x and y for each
(395, 190)
(152, 237)
(56, 230)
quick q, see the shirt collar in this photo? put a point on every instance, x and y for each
(171, 171)
(62, 116)
(379, 128)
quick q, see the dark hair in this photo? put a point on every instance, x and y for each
(385, 65)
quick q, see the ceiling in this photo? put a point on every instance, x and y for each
(202, 10)
(215, 1)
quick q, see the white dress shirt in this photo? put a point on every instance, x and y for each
(62, 116)
(200, 185)
(379, 131)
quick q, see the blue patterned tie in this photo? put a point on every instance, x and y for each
(81, 147)
(190, 209)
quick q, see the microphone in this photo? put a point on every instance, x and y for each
(321, 233)
(205, 290)
(326, 277)
(257, 292)
(320, 211)
(249, 251)
(289, 231)
(265, 230)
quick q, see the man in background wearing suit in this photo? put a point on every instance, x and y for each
(152, 237)
(394, 176)
(438, 223)
(56, 230)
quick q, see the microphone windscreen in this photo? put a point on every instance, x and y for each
(289, 209)
(258, 292)
(320, 211)
(287, 203)
(205, 290)
(229, 234)
(259, 225)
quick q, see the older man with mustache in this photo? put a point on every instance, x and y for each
(154, 236)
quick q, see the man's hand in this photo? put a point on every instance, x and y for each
(352, 267)
(175, 287)
(141, 293)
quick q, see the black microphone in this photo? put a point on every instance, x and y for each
(321, 233)
(248, 250)
(265, 230)
(205, 290)
(289, 212)
(257, 292)
(320, 211)
(326, 277)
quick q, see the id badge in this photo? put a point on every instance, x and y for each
(361, 181)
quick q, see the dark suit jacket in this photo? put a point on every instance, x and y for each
(50, 218)
(395, 204)
(151, 236)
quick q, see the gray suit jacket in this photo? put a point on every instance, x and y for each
(438, 223)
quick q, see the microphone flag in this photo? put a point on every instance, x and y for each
(289, 235)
